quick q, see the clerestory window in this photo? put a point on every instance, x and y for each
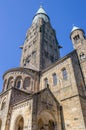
(18, 82)
(54, 79)
(27, 83)
(64, 74)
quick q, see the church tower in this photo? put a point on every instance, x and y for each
(35, 98)
(79, 42)
(41, 47)
(78, 37)
(39, 51)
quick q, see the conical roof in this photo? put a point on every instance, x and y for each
(41, 10)
(74, 28)
(41, 13)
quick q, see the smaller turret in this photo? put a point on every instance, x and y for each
(77, 36)
(79, 41)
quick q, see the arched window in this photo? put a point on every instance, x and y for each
(82, 56)
(46, 82)
(54, 79)
(18, 82)
(5, 83)
(26, 83)
(3, 104)
(19, 125)
(64, 73)
(0, 124)
(10, 82)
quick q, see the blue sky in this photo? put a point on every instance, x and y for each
(16, 17)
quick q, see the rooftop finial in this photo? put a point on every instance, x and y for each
(73, 25)
(41, 4)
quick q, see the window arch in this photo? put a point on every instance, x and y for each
(18, 82)
(3, 104)
(5, 83)
(82, 56)
(10, 82)
(54, 79)
(19, 124)
(64, 73)
(0, 124)
(27, 82)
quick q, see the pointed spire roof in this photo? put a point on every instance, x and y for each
(76, 28)
(41, 13)
(41, 10)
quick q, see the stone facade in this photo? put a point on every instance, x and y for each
(46, 92)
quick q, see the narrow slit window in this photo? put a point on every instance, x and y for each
(64, 73)
(54, 79)
(18, 84)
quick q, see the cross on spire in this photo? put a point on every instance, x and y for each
(73, 25)
(41, 4)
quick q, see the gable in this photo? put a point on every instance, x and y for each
(44, 100)
(18, 96)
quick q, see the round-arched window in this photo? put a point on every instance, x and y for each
(3, 104)
(18, 82)
(64, 74)
(5, 83)
(82, 56)
(10, 82)
(27, 83)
